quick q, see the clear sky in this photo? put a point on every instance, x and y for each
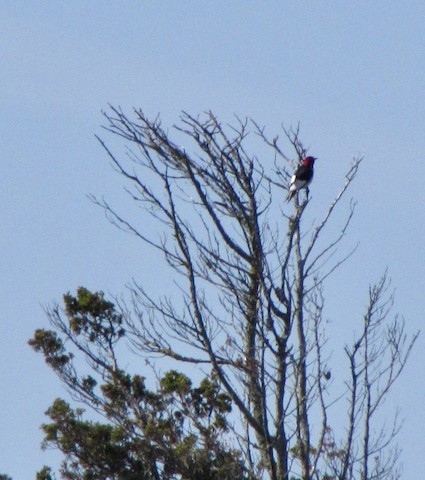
(353, 74)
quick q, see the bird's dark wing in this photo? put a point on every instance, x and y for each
(304, 173)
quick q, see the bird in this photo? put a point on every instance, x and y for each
(302, 177)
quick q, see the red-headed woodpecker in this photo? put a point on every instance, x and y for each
(302, 177)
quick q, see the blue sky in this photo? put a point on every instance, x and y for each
(353, 74)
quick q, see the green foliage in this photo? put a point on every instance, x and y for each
(48, 343)
(45, 474)
(173, 432)
(91, 314)
(175, 382)
(96, 450)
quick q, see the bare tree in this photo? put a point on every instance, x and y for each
(252, 279)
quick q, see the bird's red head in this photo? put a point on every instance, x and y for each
(309, 161)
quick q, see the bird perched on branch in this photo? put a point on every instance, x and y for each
(302, 177)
